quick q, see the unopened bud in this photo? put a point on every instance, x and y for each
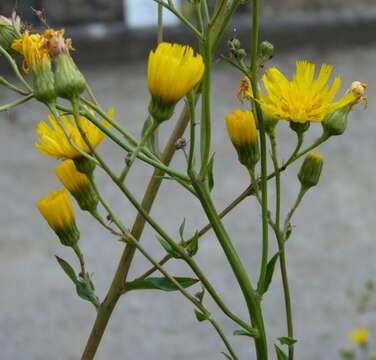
(10, 30)
(310, 172)
(266, 50)
(336, 122)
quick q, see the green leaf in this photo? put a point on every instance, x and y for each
(280, 354)
(67, 269)
(245, 333)
(85, 290)
(155, 283)
(181, 230)
(200, 295)
(286, 340)
(200, 316)
(210, 171)
(193, 246)
(169, 248)
(269, 272)
(227, 356)
(150, 143)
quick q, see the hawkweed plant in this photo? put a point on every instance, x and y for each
(78, 123)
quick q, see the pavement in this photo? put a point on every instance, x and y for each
(332, 247)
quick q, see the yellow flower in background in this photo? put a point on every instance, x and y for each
(53, 142)
(30, 46)
(241, 127)
(77, 184)
(304, 98)
(360, 336)
(173, 70)
(57, 210)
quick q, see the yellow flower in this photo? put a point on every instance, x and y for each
(304, 98)
(53, 142)
(241, 127)
(57, 210)
(360, 336)
(77, 184)
(31, 47)
(173, 70)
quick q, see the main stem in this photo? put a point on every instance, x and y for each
(106, 308)
(250, 295)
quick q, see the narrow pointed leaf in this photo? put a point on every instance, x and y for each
(181, 230)
(169, 248)
(285, 340)
(211, 173)
(162, 283)
(193, 246)
(280, 354)
(270, 271)
(200, 316)
(67, 269)
(245, 333)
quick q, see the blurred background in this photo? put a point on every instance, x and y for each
(331, 250)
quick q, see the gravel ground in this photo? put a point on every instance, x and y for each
(331, 249)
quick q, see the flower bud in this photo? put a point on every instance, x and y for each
(360, 336)
(44, 84)
(57, 210)
(336, 122)
(310, 172)
(241, 127)
(78, 185)
(173, 71)
(266, 50)
(10, 30)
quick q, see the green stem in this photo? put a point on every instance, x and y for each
(15, 103)
(192, 138)
(149, 132)
(205, 109)
(250, 295)
(160, 24)
(293, 209)
(259, 118)
(80, 257)
(4, 82)
(281, 241)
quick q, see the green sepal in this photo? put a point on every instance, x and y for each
(84, 165)
(159, 283)
(150, 141)
(68, 235)
(160, 111)
(44, 84)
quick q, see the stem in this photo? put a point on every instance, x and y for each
(205, 110)
(192, 138)
(12, 87)
(15, 103)
(160, 24)
(281, 241)
(149, 132)
(250, 295)
(293, 209)
(80, 257)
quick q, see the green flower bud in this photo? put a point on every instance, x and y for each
(69, 81)
(10, 30)
(266, 50)
(310, 172)
(336, 122)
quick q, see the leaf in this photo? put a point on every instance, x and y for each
(193, 246)
(280, 354)
(210, 171)
(67, 269)
(245, 333)
(169, 248)
(150, 142)
(269, 272)
(286, 340)
(86, 291)
(200, 316)
(181, 230)
(227, 356)
(200, 295)
(163, 283)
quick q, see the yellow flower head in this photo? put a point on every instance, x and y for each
(304, 98)
(53, 142)
(173, 70)
(77, 184)
(57, 210)
(70, 177)
(360, 336)
(30, 46)
(241, 127)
